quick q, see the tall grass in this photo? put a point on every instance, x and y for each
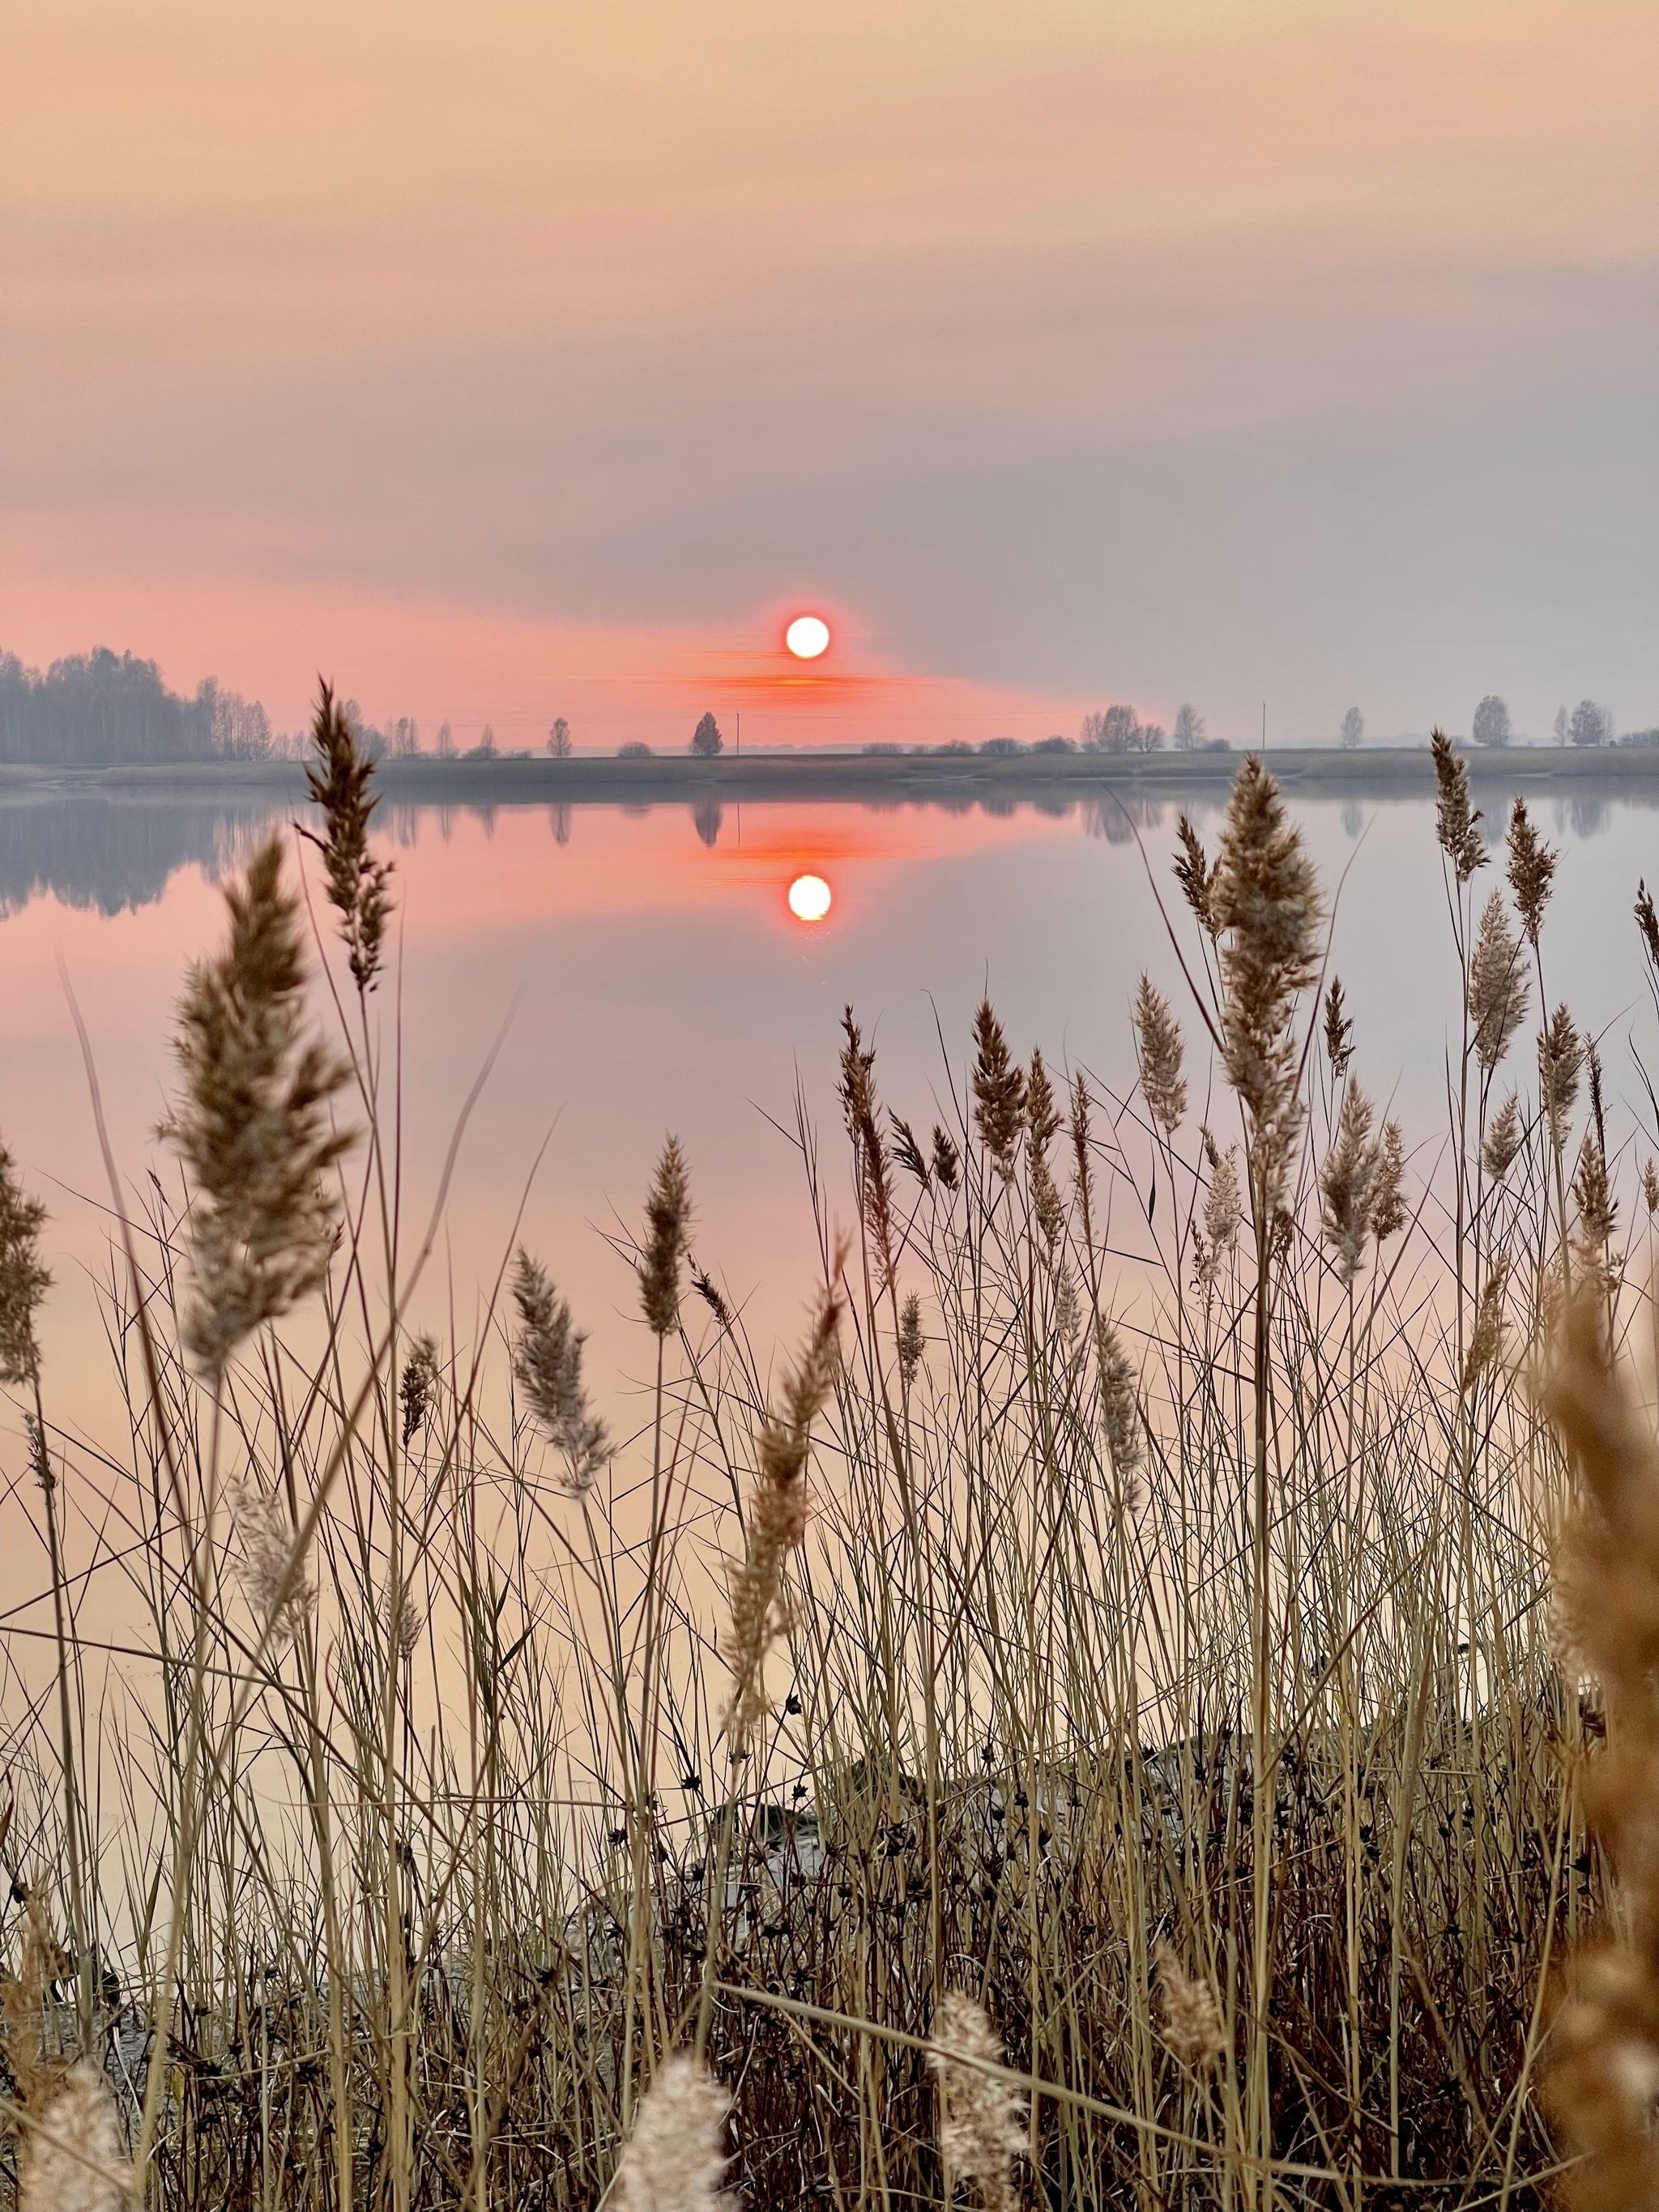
(1087, 1731)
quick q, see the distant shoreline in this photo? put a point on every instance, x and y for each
(600, 778)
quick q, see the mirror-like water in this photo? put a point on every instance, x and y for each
(648, 974)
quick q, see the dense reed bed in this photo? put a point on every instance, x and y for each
(1089, 1725)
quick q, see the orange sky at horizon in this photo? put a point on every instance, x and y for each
(506, 361)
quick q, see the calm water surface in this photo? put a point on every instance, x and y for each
(644, 973)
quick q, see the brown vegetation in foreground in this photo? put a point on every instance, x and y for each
(1095, 1731)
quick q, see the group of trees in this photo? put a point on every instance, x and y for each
(98, 707)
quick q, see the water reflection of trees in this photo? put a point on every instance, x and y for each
(1120, 820)
(707, 814)
(115, 854)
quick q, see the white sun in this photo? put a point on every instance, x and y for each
(809, 898)
(807, 636)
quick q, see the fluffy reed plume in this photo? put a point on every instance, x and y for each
(339, 781)
(23, 2007)
(1120, 1413)
(1069, 1307)
(1499, 990)
(23, 1281)
(253, 1128)
(1485, 1346)
(1157, 1033)
(547, 1364)
(858, 1106)
(1389, 1211)
(1598, 1209)
(1455, 819)
(1042, 1124)
(1531, 871)
(981, 2127)
(1601, 2085)
(998, 1092)
(1192, 2025)
(911, 1341)
(74, 2160)
(1648, 922)
(947, 1161)
(1505, 1133)
(775, 1522)
(264, 1533)
(1224, 1209)
(1348, 1182)
(1339, 1031)
(1266, 898)
(1077, 1128)
(1560, 1063)
(712, 1296)
(667, 1221)
(1650, 1186)
(418, 1388)
(906, 1151)
(1197, 879)
(675, 2158)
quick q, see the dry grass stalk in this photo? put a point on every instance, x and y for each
(982, 2129)
(1192, 2026)
(1456, 821)
(1157, 1033)
(547, 1363)
(1601, 2085)
(676, 2157)
(668, 1221)
(775, 1522)
(253, 1128)
(999, 1084)
(1499, 992)
(1266, 898)
(339, 781)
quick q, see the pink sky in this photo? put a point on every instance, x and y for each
(509, 360)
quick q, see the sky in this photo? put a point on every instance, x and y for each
(505, 361)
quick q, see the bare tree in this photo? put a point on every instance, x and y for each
(405, 737)
(1353, 729)
(558, 739)
(1189, 730)
(1560, 725)
(445, 742)
(707, 741)
(1491, 725)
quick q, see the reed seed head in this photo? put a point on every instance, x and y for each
(339, 781)
(547, 1363)
(418, 1387)
(23, 1281)
(1648, 923)
(1389, 1211)
(277, 1587)
(1456, 820)
(1348, 1182)
(981, 2130)
(911, 1341)
(1650, 1187)
(1120, 1410)
(75, 2160)
(998, 1092)
(254, 1126)
(1485, 1345)
(906, 1151)
(1197, 879)
(859, 1105)
(947, 1160)
(1338, 1031)
(1506, 1133)
(1499, 992)
(1223, 1210)
(1043, 1119)
(667, 1222)
(1560, 1063)
(675, 2158)
(1531, 871)
(1266, 898)
(1192, 2025)
(775, 1522)
(712, 1297)
(1162, 1051)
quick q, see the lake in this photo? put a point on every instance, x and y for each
(642, 971)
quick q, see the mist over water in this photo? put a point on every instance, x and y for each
(642, 971)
